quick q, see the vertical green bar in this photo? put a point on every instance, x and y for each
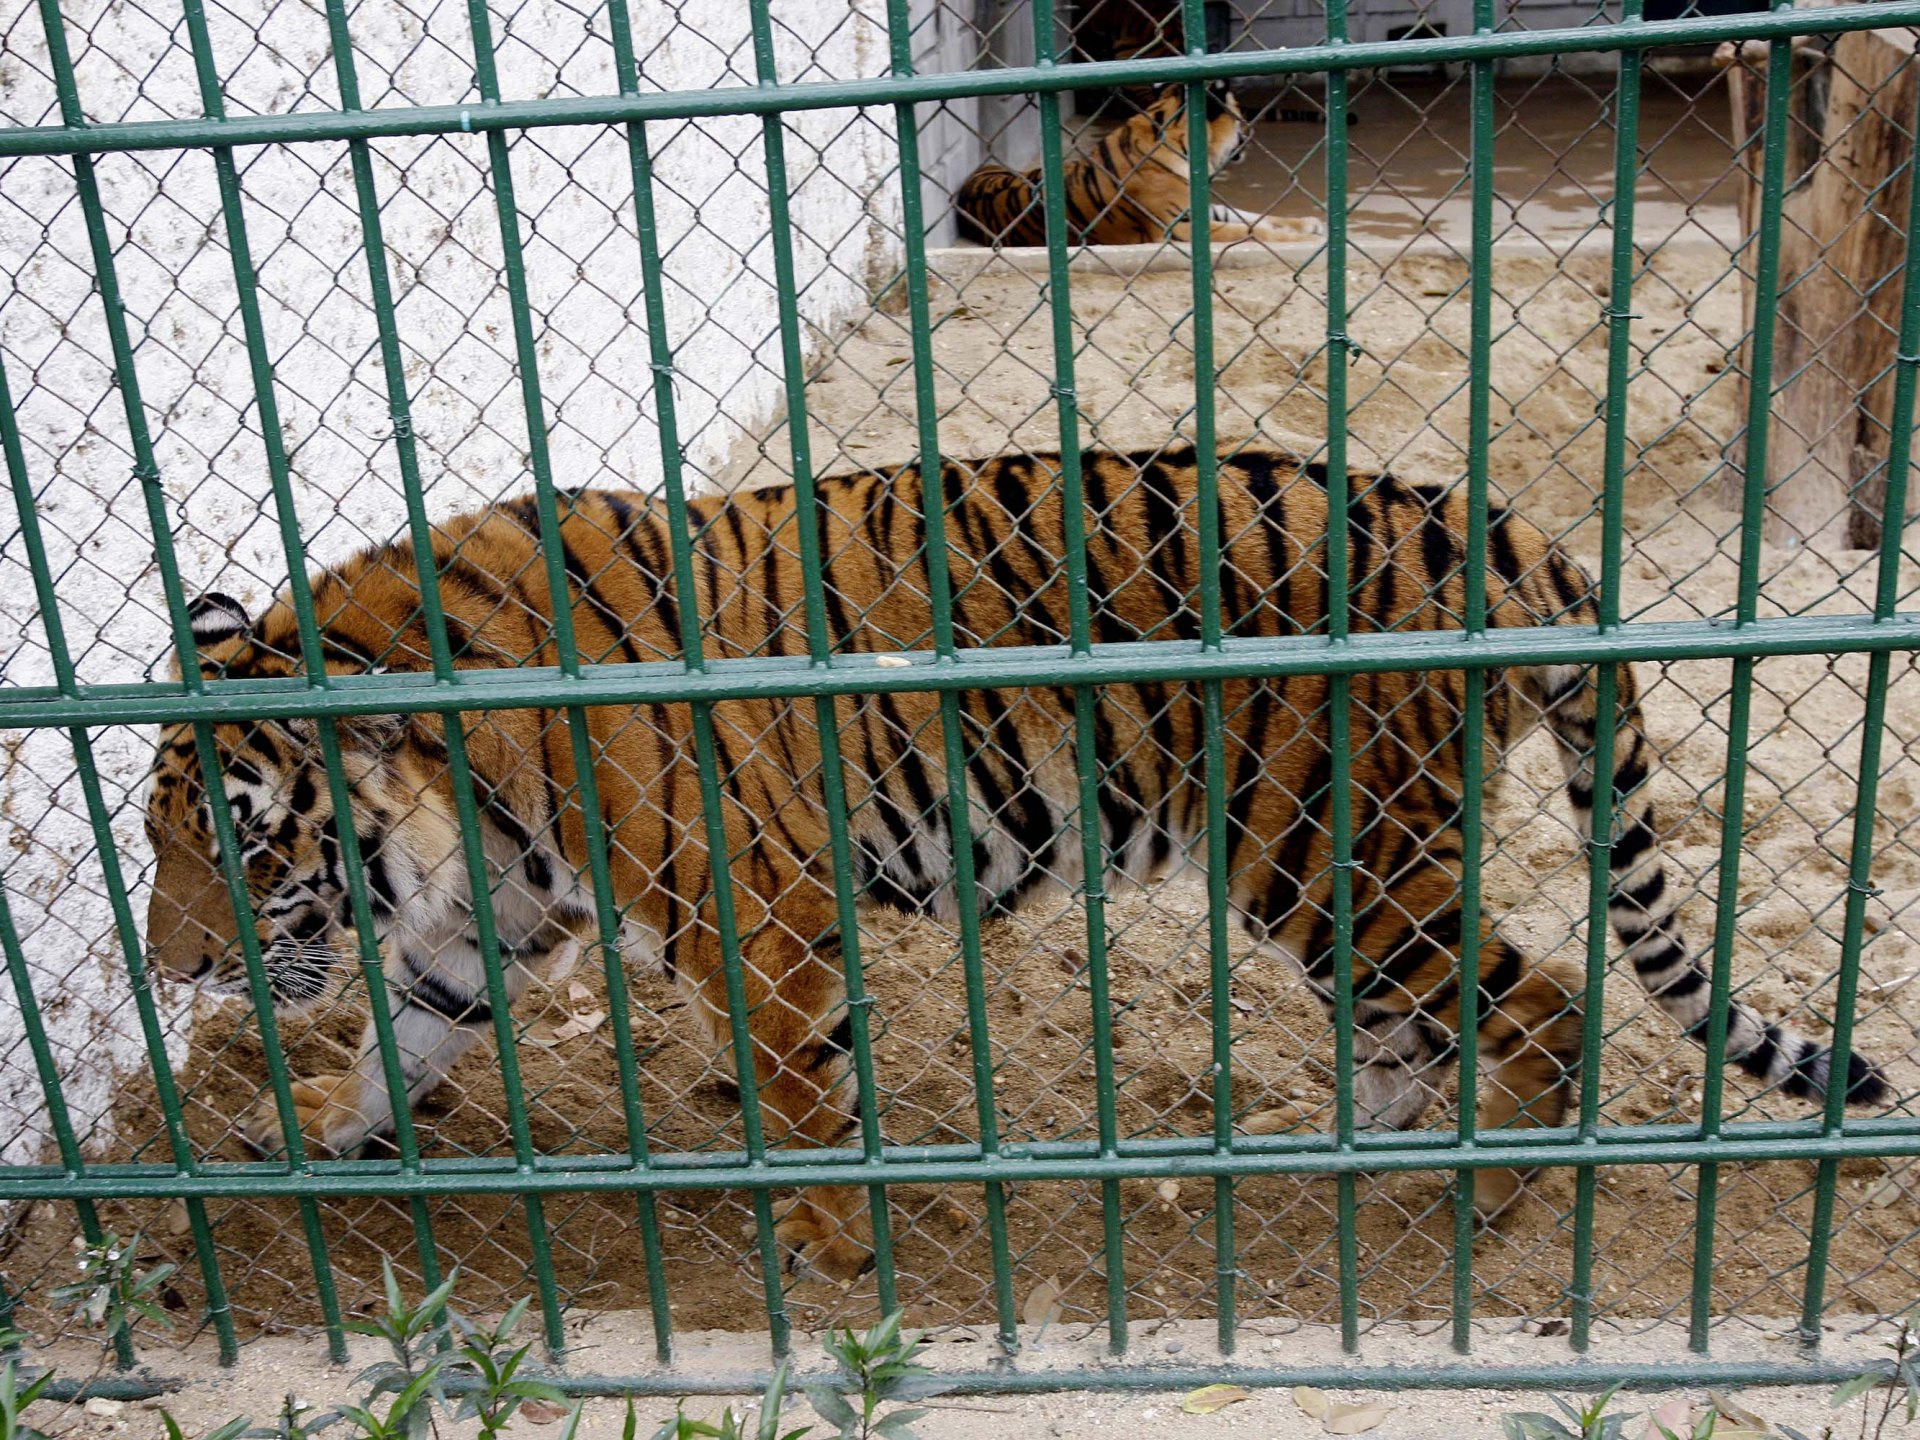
(1473, 738)
(560, 603)
(399, 407)
(719, 857)
(148, 474)
(660, 352)
(1213, 723)
(1087, 759)
(1740, 705)
(694, 658)
(1619, 315)
(58, 1121)
(1860, 886)
(30, 1021)
(820, 641)
(1339, 688)
(940, 594)
(273, 440)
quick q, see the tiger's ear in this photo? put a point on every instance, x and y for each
(215, 617)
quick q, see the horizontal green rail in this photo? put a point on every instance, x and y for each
(1564, 1375)
(1014, 666)
(1570, 1375)
(481, 117)
(1251, 1155)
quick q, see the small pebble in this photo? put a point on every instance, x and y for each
(100, 1405)
(1174, 1347)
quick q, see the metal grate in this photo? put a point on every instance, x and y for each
(539, 1199)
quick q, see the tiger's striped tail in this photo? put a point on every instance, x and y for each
(1644, 910)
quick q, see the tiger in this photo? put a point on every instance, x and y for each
(1130, 189)
(1005, 539)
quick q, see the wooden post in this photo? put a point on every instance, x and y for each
(1843, 243)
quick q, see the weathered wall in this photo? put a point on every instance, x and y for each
(575, 195)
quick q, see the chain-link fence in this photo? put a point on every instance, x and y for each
(289, 281)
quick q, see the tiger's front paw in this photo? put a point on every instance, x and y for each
(327, 1110)
(824, 1246)
(1279, 1120)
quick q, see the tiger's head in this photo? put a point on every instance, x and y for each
(1227, 127)
(286, 832)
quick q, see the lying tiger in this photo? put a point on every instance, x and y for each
(1131, 189)
(1005, 539)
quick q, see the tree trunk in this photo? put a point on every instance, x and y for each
(1843, 243)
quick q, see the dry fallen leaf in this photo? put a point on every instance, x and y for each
(1676, 1415)
(578, 993)
(1209, 1398)
(1313, 1402)
(541, 1412)
(1732, 1409)
(1043, 1303)
(1344, 1419)
(178, 1222)
(580, 1025)
(566, 956)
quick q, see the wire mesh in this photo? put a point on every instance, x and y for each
(292, 282)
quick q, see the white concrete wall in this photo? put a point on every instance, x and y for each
(1285, 24)
(574, 190)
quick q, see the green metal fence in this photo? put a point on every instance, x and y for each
(180, 1184)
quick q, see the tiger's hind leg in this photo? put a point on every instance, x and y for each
(1529, 1052)
(802, 1038)
(1398, 1057)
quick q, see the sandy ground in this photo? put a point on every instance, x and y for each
(1135, 377)
(201, 1395)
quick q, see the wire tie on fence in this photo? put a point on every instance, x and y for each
(1906, 359)
(662, 367)
(1871, 892)
(466, 122)
(1064, 392)
(147, 473)
(1343, 864)
(1341, 338)
(1613, 314)
(865, 1002)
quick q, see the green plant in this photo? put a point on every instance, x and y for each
(409, 1417)
(14, 1397)
(1588, 1423)
(881, 1366)
(729, 1426)
(296, 1421)
(110, 1293)
(232, 1430)
(1703, 1428)
(499, 1391)
(416, 1375)
(1901, 1382)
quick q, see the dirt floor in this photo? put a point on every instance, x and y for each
(1135, 377)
